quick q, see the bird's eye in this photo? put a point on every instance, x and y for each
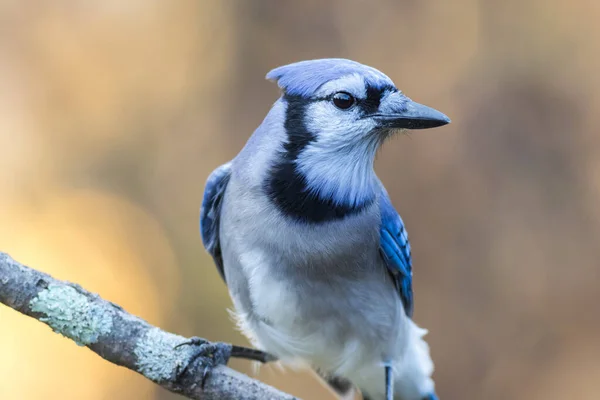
(343, 100)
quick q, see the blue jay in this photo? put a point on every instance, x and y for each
(316, 259)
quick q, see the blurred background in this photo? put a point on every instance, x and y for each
(113, 114)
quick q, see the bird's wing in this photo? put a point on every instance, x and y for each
(395, 250)
(210, 213)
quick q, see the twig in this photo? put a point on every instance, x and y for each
(124, 339)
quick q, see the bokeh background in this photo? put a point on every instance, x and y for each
(113, 113)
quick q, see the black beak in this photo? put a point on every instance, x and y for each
(413, 116)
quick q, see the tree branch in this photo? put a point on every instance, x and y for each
(124, 339)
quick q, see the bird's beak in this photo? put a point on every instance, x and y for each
(399, 112)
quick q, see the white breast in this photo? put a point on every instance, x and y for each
(340, 313)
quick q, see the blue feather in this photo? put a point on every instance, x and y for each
(304, 78)
(395, 249)
(210, 213)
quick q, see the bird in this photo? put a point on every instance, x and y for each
(315, 257)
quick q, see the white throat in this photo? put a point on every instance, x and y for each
(343, 174)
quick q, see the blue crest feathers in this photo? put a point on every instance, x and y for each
(304, 78)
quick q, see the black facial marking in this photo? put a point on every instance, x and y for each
(370, 105)
(286, 186)
(298, 134)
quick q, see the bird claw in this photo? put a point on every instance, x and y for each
(209, 354)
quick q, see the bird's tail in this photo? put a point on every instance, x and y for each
(412, 374)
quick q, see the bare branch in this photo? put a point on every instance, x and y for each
(124, 339)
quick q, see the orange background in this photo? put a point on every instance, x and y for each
(112, 115)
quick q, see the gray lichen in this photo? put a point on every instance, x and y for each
(72, 314)
(157, 355)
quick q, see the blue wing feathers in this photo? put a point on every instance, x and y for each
(395, 250)
(210, 213)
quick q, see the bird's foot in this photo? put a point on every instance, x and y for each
(211, 354)
(207, 353)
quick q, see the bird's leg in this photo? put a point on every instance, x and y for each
(252, 354)
(213, 354)
(389, 383)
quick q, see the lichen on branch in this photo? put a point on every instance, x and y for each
(122, 338)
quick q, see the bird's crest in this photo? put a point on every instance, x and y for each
(304, 78)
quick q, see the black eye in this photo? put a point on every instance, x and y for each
(343, 100)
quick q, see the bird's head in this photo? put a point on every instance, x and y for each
(338, 113)
(341, 101)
